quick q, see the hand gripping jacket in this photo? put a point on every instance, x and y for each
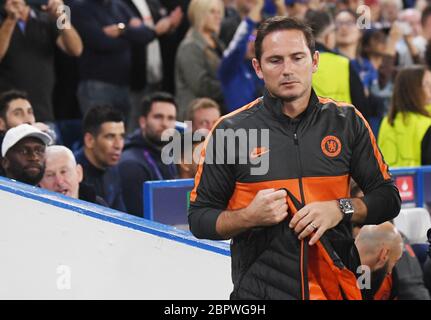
(313, 157)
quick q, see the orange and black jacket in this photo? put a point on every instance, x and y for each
(313, 157)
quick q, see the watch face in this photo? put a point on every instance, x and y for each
(346, 206)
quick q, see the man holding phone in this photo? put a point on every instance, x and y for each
(27, 62)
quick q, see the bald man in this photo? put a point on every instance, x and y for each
(406, 281)
(64, 175)
(395, 270)
(380, 247)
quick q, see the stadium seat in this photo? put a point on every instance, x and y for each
(414, 223)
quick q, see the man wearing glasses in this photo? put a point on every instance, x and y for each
(23, 153)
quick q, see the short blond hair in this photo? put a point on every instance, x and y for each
(201, 103)
(198, 10)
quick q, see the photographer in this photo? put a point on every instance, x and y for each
(28, 37)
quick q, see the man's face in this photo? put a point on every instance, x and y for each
(18, 112)
(286, 64)
(107, 146)
(25, 161)
(160, 118)
(380, 273)
(62, 175)
(205, 118)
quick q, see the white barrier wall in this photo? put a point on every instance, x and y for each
(52, 247)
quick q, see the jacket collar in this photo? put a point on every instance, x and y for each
(88, 166)
(275, 105)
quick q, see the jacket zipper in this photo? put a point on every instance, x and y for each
(304, 247)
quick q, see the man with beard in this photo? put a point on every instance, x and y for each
(16, 109)
(380, 247)
(23, 152)
(141, 160)
(104, 131)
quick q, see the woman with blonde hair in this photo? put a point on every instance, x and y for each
(198, 56)
(405, 135)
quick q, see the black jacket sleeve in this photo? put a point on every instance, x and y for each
(214, 185)
(426, 148)
(409, 276)
(371, 173)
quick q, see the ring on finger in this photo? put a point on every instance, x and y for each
(313, 225)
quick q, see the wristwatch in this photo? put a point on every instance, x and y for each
(346, 208)
(122, 27)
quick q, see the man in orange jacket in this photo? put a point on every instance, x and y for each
(279, 187)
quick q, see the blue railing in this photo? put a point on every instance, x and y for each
(166, 201)
(169, 198)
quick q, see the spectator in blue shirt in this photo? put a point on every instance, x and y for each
(142, 157)
(240, 83)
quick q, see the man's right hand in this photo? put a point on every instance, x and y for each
(112, 31)
(176, 17)
(12, 9)
(269, 207)
(163, 26)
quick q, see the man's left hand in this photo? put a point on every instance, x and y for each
(53, 8)
(316, 217)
